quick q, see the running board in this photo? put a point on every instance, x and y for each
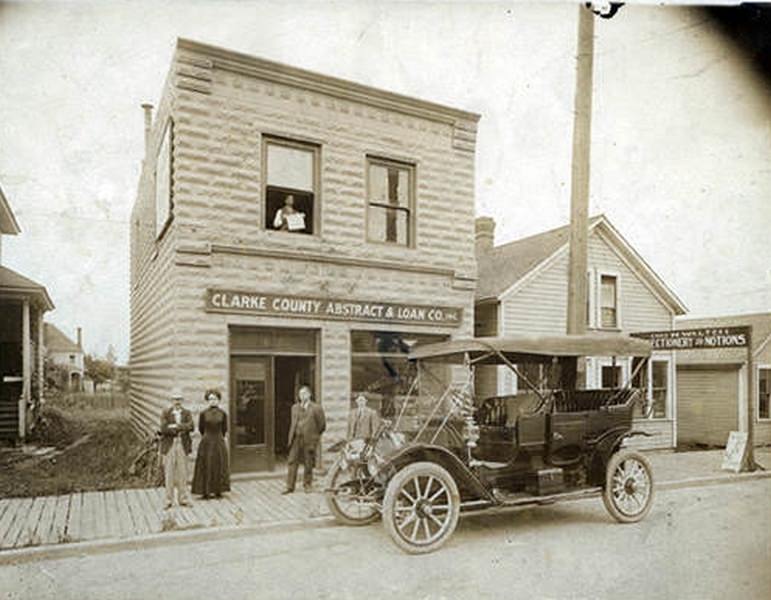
(507, 500)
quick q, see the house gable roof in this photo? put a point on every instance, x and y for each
(503, 267)
(13, 283)
(8, 223)
(56, 341)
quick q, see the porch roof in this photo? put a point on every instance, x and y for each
(15, 284)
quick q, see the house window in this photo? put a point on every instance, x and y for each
(659, 388)
(291, 181)
(610, 376)
(163, 187)
(604, 372)
(653, 380)
(608, 301)
(764, 392)
(390, 197)
(380, 370)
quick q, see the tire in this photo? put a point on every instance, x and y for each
(346, 512)
(629, 489)
(418, 519)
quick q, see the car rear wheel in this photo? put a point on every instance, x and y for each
(343, 498)
(421, 507)
(628, 492)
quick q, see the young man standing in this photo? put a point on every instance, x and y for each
(307, 424)
(176, 445)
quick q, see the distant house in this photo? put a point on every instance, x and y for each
(712, 384)
(22, 305)
(62, 351)
(522, 289)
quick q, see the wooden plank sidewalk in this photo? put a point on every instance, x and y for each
(123, 514)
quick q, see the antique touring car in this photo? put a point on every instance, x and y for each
(447, 451)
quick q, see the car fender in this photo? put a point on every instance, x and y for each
(605, 446)
(464, 477)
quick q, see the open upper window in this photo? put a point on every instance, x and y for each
(163, 187)
(291, 181)
(390, 201)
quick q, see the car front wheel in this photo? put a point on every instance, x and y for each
(628, 492)
(421, 507)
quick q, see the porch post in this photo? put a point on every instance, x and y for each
(26, 361)
(41, 378)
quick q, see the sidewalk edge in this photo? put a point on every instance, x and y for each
(153, 540)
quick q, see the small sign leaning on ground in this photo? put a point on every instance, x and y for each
(735, 451)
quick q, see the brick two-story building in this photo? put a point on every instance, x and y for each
(293, 228)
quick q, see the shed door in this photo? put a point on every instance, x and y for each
(706, 406)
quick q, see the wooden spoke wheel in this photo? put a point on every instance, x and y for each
(421, 507)
(344, 498)
(628, 492)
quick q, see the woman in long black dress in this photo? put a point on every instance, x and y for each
(212, 476)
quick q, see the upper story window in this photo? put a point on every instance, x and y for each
(390, 201)
(163, 188)
(291, 182)
(608, 297)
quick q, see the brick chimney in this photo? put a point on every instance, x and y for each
(148, 110)
(485, 234)
(80, 338)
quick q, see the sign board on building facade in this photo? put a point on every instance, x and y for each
(256, 303)
(706, 338)
(740, 445)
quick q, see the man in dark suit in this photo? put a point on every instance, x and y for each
(363, 421)
(176, 445)
(306, 426)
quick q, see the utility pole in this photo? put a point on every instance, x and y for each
(579, 182)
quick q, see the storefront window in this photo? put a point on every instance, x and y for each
(390, 202)
(380, 370)
(764, 392)
(290, 190)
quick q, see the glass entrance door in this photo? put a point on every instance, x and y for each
(251, 414)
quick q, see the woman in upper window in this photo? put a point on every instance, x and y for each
(288, 218)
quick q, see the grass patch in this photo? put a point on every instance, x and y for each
(100, 463)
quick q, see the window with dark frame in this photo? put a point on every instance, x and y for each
(608, 301)
(390, 198)
(291, 202)
(764, 393)
(163, 188)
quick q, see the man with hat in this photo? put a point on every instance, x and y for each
(176, 425)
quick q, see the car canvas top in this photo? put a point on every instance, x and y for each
(531, 348)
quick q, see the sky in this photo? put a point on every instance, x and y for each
(681, 135)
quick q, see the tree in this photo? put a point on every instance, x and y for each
(99, 369)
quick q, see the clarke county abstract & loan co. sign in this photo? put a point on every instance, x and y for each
(698, 339)
(256, 303)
